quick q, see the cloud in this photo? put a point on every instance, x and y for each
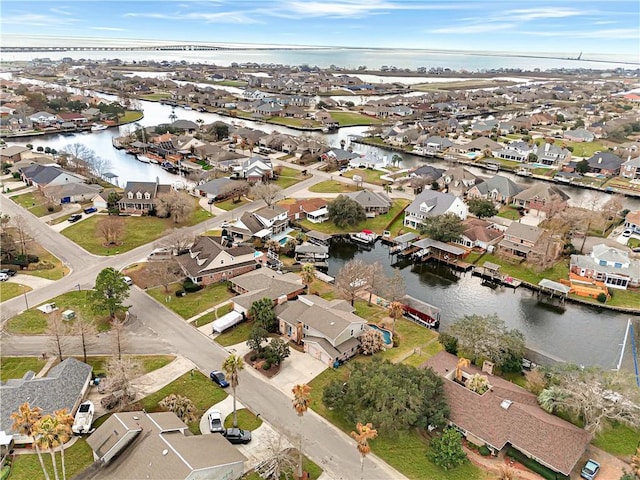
(60, 11)
(477, 28)
(109, 29)
(206, 17)
(528, 14)
(36, 20)
(610, 34)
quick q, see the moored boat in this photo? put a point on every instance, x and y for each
(366, 237)
(97, 127)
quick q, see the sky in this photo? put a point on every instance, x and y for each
(604, 26)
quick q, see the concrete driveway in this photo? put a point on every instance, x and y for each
(30, 280)
(610, 467)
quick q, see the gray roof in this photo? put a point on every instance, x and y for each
(61, 388)
(205, 250)
(370, 199)
(265, 282)
(214, 187)
(429, 171)
(482, 143)
(541, 191)
(440, 203)
(184, 125)
(610, 254)
(71, 190)
(591, 263)
(504, 186)
(45, 174)
(445, 247)
(311, 248)
(523, 231)
(633, 162)
(12, 150)
(605, 161)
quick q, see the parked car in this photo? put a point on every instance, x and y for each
(627, 233)
(90, 210)
(4, 277)
(211, 201)
(127, 280)
(74, 218)
(218, 377)
(237, 435)
(590, 470)
(9, 271)
(215, 422)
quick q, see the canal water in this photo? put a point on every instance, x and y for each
(579, 334)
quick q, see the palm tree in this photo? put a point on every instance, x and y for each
(551, 398)
(395, 160)
(308, 274)
(183, 407)
(362, 436)
(232, 366)
(65, 421)
(24, 421)
(48, 437)
(462, 362)
(301, 402)
(395, 311)
(478, 383)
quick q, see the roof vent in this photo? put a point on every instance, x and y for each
(165, 452)
(332, 323)
(506, 404)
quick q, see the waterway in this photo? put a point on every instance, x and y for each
(579, 334)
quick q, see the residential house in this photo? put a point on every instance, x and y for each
(374, 203)
(508, 415)
(551, 154)
(579, 135)
(210, 261)
(47, 175)
(255, 169)
(535, 198)
(631, 169)
(457, 180)
(632, 220)
(72, 192)
(609, 265)
(497, 188)
(480, 144)
(605, 163)
(158, 446)
(313, 209)
(139, 198)
(338, 157)
(431, 203)
(261, 224)
(329, 330)
(44, 119)
(479, 233)
(13, 154)
(75, 119)
(519, 240)
(215, 189)
(264, 283)
(432, 145)
(64, 386)
(517, 151)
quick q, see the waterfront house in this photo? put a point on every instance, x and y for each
(431, 203)
(479, 233)
(313, 209)
(632, 220)
(631, 169)
(13, 154)
(506, 416)
(209, 261)
(158, 446)
(374, 203)
(261, 224)
(215, 189)
(605, 163)
(517, 151)
(76, 119)
(609, 265)
(41, 176)
(579, 135)
(480, 144)
(551, 154)
(432, 145)
(338, 157)
(457, 180)
(497, 188)
(535, 198)
(264, 283)
(64, 386)
(519, 240)
(139, 198)
(329, 330)
(44, 119)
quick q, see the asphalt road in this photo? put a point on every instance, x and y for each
(158, 330)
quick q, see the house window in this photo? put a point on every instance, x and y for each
(147, 195)
(618, 265)
(130, 195)
(603, 263)
(138, 195)
(352, 332)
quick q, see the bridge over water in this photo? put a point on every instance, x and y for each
(184, 47)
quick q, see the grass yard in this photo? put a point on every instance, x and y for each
(585, 149)
(332, 186)
(351, 119)
(192, 303)
(193, 385)
(230, 204)
(236, 334)
(137, 231)
(619, 298)
(523, 272)
(210, 317)
(415, 341)
(377, 224)
(509, 212)
(149, 363)
(48, 267)
(76, 458)
(619, 440)
(368, 175)
(130, 116)
(246, 420)
(154, 97)
(294, 122)
(16, 367)
(34, 322)
(9, 290)
(35, 203)
(287, 177)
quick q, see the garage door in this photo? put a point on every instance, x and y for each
(66, 200)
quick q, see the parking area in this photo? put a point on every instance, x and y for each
(610, 466)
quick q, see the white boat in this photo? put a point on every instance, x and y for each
(96, 127)
(366, 237)
(143, 158)
(524, 172)
(84, 418)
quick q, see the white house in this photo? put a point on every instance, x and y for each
(431, 203)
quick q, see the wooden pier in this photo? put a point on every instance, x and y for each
(491, 273)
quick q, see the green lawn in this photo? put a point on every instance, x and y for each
(246, 420)
(377, 224)
(332, 186)
(210, 317)
(34, 322)
(368, 175)
(350, 119)
(236, 334)
(154, 97)
(287, 177)
(149, 363)
(9, 290)
(192, 303)
(294, 122)
(509, 212)
(230, 204)
(559, 271)
(34, 202)
(619, 298)
(193, 385)
(130, 116)
(48, 266)
(16, 367)
(619, 440)
(585, 149)
(76, 458)
(137, 231)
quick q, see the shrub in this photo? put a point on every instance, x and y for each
(396, 340)
(601, 297)
(449, 342)
(484, 451)
(266, 366)
(180, 293)
(191, 287)
(534, 466)
(253, 357)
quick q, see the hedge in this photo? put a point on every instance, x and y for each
(531, 464)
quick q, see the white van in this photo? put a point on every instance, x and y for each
(160, 254)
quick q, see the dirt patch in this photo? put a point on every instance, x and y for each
(258, 364)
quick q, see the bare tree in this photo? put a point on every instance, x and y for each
(236, 190)
(120, 375)
(58, 330)
(266, 191)
(5, 219)
(182, 406)
(178, 241)
(111, 229)
(164, 272)
(98, 166)
(87, 330)
(351, 279)
(610, 211)
(79, 155)
(376, 279)
(117, 332)
(395, 287)
(177, 205)
(21, 228)
(280, 462)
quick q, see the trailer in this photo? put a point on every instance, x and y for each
(421, 312)
(84, 418)
(227, 321)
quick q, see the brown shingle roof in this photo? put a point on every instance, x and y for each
(550, 440)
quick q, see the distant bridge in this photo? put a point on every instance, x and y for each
(185, 47)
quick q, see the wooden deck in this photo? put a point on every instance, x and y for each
(499, 278)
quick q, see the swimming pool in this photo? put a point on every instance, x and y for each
(283, 241)
(386, 334)
(472, 155)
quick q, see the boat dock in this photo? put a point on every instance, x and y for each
(490, 272)
(429, 249)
